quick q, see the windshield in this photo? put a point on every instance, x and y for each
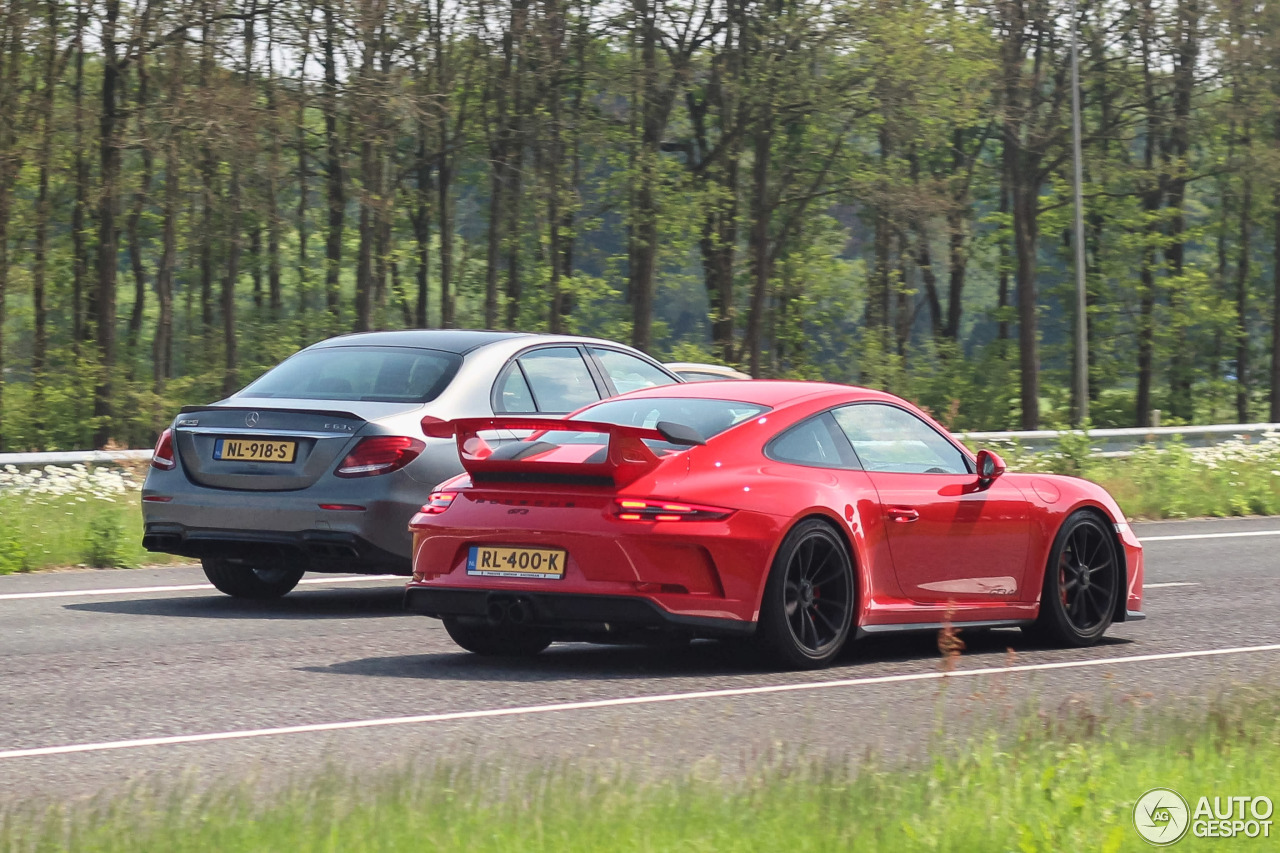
(370, 374)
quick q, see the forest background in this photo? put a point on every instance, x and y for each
(857, 190)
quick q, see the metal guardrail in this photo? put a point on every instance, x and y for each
(73, 457)
(1105, 440)
(1112, 440)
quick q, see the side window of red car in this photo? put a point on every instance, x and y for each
(815, 443)
(890, 439)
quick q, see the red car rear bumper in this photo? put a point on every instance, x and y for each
(1133, 562)
(705, 575)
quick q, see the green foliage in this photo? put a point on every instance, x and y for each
(106, 543)
(67, 517)
(13, 556)
(1171, 480)
(853, 146)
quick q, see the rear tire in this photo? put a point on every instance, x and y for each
(497, 641)
(239, 580)
(807, 612)
(1082, 583)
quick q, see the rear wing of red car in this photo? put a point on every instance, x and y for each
(620, 458)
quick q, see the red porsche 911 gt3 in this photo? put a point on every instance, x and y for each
(798, 512)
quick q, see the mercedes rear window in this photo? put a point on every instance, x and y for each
(371, 374)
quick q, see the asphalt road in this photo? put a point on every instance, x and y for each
(110, 677)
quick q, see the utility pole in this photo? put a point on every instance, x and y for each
(1082, 319)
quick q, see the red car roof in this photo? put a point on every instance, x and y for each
(765, 392)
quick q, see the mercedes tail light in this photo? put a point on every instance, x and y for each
(633, 509)
(438, 502)
(162, 456)
(380, 454)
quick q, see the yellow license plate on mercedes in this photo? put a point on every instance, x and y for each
(501, 562)
(237, 450)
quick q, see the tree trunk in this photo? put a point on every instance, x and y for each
(300, 213)
(333, 151)
(924, 260)
(1151, 199)
(79, 252)
(1274, 416)
(1186, 56)
(364, 252)
(12, 48)
(957, 269)
(444, 210)
(759, 243)
(514, 284)
(1002, 256)
(1242, 288)
(108, 236)
(39, 343)
(644, 216)
(234, 238)
(1026, 230)
(141, 198)
(275, 296)
(422, 227)
(162, 345)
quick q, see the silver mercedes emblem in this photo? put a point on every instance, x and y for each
(251, 419)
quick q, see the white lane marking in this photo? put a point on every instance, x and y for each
(1186, 536)
(1147, 586)
(614, 703)
(188, 587)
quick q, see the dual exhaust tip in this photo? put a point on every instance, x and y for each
(509, 611)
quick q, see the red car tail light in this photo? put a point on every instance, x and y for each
(380, 454)
(438, 502)
(633, 509)
(162, 456)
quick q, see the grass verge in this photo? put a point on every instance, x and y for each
(70, 530)
(1060, 786)
(1235, 478)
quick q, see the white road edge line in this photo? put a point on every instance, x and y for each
(614, 703)
(1147, 586)
(189, 587)
(1185, 536)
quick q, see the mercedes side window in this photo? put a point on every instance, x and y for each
(558, 380)
(629, 373)
(887, 438)
(815, 442)
(514, 395)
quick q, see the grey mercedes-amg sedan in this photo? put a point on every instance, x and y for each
(320, 463)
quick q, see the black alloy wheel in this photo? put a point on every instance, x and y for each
(1082, 583)
(809, 599)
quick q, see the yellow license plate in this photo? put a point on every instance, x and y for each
(516, 562)
(254, 450)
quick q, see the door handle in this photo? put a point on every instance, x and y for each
(903, 514)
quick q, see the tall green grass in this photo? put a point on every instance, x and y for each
(1235, 478)
(1058, 786)
(67, 531)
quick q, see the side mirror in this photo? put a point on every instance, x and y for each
(990, 465)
